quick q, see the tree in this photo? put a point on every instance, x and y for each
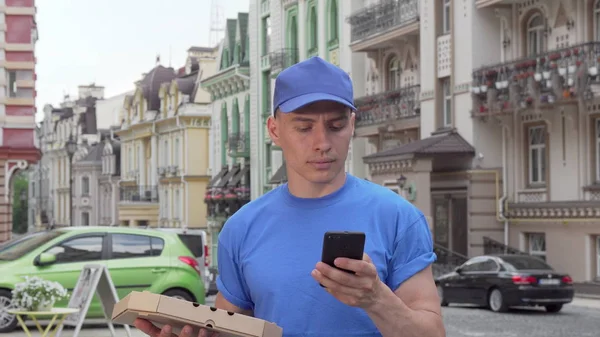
(20, 203)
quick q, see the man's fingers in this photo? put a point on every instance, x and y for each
(147, 327)
(361, 267)
(332, 285)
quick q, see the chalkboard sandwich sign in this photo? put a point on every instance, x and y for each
(162, 310)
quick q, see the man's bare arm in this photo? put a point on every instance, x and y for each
(413, 310)
(222, 303)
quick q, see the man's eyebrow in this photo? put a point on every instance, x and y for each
(302, 119)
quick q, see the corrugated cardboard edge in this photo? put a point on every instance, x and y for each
(137, 304)
(128, 309)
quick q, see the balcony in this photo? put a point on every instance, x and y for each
(142, 194)
(381, 24)
(557, 77)
(239, 145)
(400, 107)
(282, 59)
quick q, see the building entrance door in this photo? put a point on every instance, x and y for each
(450, 222)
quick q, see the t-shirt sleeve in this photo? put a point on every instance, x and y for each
(413, 251)
(230, 280)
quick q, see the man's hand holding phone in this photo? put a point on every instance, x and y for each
(361, 289)
(151, 330)
(346, 272)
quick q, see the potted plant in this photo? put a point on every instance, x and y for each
(36, 294)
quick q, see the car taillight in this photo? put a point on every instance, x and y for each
(206, 257)
(519, 279)
(567, 280)
(190, 261)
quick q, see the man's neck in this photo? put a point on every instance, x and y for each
(301, 188)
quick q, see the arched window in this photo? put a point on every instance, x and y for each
(597, 20)
(393, 74)
(535, 34)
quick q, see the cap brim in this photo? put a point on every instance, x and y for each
(302, 100)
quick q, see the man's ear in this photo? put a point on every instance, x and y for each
(273, 130)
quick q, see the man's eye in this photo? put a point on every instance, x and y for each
(337, 127)
(303, 129)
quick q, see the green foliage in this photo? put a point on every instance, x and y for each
(20, 212)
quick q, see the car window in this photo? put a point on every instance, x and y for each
(515, 263)
(80, 249)
(193, 243)
(126, 246)
(488, 265)
(20, 248)
(472, 267)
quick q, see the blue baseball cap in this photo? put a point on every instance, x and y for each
(310, 81)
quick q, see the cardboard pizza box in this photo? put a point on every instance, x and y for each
(162, 310)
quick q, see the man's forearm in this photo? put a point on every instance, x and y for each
(394, 318)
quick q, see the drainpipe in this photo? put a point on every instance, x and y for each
(183, 173)
(504, 184)
(152, 135)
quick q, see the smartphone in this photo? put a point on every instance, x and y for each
(343, 244)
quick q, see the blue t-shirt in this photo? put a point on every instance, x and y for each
(269, 247)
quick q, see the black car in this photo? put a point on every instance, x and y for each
(503, 281)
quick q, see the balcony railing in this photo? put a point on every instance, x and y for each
(283, 58)
(382, 17)
(139, 194)
(491, 246)
(550, 77)
(388, 106)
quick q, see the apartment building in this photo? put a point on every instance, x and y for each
(229, 89)
(17, 99)
(164, 146)
(65, 131)
(534, 107)
(284, 32)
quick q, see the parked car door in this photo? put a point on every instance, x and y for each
(485, 276)
(134, 262)
(465, 284)
(71, 255)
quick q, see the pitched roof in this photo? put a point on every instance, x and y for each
(445, 143)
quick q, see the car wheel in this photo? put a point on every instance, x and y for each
(8, 322)
(496, 301)
(554, 307)
(179, 294)
(440, 292)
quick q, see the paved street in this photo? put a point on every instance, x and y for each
(578, 319)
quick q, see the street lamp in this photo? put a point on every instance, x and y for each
(402, 181)
(71, 147)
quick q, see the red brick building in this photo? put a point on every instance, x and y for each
(18, 35)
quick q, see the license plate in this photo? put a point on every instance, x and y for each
(549, 282)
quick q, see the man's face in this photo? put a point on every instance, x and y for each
(314, 139)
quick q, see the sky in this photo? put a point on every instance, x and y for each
(112, 42)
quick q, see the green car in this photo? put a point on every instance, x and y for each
(137, 259)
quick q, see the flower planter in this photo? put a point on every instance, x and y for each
(37, 294)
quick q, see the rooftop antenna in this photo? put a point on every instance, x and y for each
(217, 22)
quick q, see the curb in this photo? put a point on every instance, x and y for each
(587, 296)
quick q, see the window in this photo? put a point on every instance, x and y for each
(313, 34)
(447, 109)
(266, 36)
(537, 245)
(79, 249)
(394, 74)
(85, 185)
(333, 22)
(166, 153)
(11, 87)
(176, 152)
(126, 246)
(597, 149)
(85, 219)
(446, 17)
(598, 256)
(177, 204)
(166, 214)
(597, 20)
(537, 155)
(535, 34)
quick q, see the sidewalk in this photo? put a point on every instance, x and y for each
(588, 302)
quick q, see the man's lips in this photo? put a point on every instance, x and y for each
(322, 161)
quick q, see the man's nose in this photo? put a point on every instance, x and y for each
(321, 141)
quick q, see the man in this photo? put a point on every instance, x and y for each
(269, 250)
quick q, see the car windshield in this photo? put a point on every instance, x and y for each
(515, 263)
(23, 246)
